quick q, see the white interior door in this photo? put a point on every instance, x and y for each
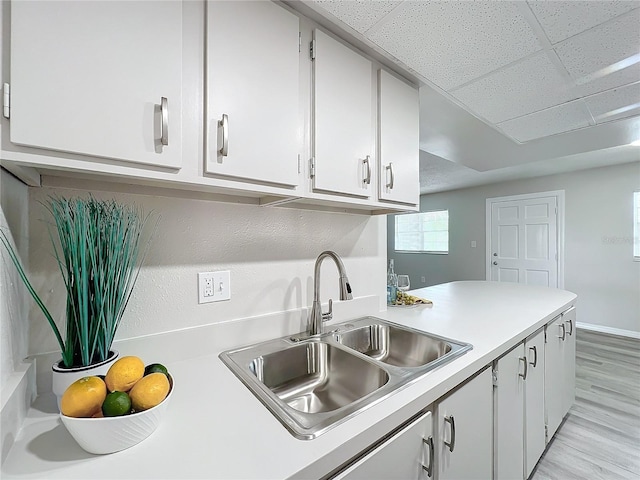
(523, 239)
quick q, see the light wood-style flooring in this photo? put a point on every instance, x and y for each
(600, 438)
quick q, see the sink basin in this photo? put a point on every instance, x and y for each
(312, 384)
(317, 377)
(395, 346)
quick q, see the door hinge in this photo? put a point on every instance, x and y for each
(6, 100)
(312, 49)
(494, 377)
(545, 334)
(299, 42)
(312, 167)
(546, 434)
(298, 163)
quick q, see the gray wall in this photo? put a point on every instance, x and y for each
(599, 264)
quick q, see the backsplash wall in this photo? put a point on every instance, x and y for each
(270, 252)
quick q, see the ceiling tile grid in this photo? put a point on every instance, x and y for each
(515, 90)
(615, 104)
(517, 66)
(451, 43)
(601, 46)
(360, 15)
(562, 118)
(561, 20)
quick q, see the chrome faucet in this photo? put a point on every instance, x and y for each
(316, 317)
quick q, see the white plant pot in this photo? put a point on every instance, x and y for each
(63, 377)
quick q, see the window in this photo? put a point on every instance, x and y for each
(423, 232)
(636, 226)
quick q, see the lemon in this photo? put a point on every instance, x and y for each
(149, 391)
(116, 404)
(83, 398)
(124, 373)
(155, 368)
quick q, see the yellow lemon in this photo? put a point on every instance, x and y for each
(124, 373)
(149, 391)
(83, 398)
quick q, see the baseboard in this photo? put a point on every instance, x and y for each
(608, 330)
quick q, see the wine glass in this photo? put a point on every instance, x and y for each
(403, 283)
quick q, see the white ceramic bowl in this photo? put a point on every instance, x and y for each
(112, 434)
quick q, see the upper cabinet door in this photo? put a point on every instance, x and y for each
(252, 92)
(342, 118)
(399, 139)
(99, 78)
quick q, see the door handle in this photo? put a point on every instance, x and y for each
(367, 178)
(564, 331)
(164, 121)
(495, 263)
(526, 368)
(391, 180)
(535, 356)
(429, 468)
(224, 124)
(452, 422)
(570, 322)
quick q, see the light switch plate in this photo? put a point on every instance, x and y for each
(214, 286)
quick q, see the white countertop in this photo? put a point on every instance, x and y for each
(215, 428)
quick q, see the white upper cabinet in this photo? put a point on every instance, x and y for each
(399, 140)
(343, 133)
(252, 92)
(98, 78)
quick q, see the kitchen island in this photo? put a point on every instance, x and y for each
(216, 428)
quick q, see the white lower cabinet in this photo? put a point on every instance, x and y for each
(534, 440)
(510, 374)
(464, 431)
(406, 455)
(560, 369)
(519, 407)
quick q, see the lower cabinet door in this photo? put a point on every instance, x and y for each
(569, 359)
(511, 373)
(464, 431)
(407, 455)
(554, 375)
(534, 401)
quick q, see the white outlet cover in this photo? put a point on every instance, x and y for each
(221, 290)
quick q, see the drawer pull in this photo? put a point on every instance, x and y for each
(164, 123)
(452, 422)
(535, 356)
(429, 469)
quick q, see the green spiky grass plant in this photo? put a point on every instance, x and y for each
(100, 250)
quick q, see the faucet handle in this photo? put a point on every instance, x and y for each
(328, 315)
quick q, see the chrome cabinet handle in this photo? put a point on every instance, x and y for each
(367, 179)
(429, 469)
(164, 123)
(452, 443)
(526, 368)
(535, 356)
(564, 331)
(391, 180)
(224, 124)
(570, 322)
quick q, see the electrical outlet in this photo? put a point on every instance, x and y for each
(214, 286)
(423, 279)
(473, 244)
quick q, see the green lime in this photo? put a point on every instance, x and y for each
(155, 368)
(116, 404)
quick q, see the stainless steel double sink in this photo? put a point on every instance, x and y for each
(312, 384)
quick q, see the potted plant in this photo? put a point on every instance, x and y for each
(99, 251)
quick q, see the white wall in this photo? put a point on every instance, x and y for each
(599, 264)
(14, 221)
(270, 252)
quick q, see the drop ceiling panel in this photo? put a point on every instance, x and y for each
(360, 15)
(451, 43)
(601, 46)
(522, 88)
(615, 104)
(560, 119)
(563, 19)
(616, 79)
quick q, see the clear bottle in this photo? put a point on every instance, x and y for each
(392, 284)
